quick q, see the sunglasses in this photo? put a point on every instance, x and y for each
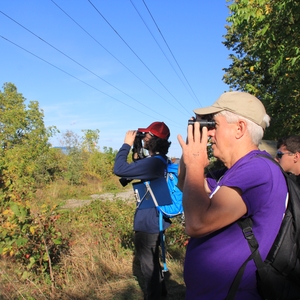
(279, 154)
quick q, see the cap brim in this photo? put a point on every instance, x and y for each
(143, 130)
(207, 110)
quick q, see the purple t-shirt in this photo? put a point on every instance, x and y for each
(212, 262)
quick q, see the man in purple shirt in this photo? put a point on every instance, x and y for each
(251, 186)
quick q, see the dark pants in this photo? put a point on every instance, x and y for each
(147, 252)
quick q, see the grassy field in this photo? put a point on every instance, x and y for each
(99, 262)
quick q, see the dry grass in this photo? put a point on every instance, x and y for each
(100, 263)
(96, 271)
(90, 271)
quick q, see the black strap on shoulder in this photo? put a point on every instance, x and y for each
(246, 226)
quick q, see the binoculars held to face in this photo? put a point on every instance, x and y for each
(210, 124)
(140, 135)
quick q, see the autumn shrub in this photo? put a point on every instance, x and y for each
(31, 240)
(112, 219)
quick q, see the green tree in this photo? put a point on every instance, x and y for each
(24, 143)
(84, 160)
(101, 164)
(75, 158)
(264, 37)
(90, 139)
(26, 161)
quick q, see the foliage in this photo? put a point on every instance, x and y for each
(32, 240)
(112, 219)
(90, 140)
(101, 164)
(176, 238)
(108, 225)
(26, 162)
(83, 159)
(49, 167)
(264, 35)
(100, 255)
(73, 164)
(24, 150)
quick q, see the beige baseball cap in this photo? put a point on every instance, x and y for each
(240, 103)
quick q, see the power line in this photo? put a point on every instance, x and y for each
(80, 64)
(139, 58)
(160, 47)
(107, 50)
(171, 51)
(91, 86)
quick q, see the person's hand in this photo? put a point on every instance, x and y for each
(129, 137)
(194, 151)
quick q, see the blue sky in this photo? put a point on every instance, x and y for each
(104, 65)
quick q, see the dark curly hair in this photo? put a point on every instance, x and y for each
(157, 144)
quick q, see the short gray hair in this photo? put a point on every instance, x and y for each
(255, 131)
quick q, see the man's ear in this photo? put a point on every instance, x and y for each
(296, 156)
(240, 129)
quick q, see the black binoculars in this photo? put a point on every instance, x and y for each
(140, 134)
(210, 124)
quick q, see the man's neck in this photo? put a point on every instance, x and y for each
(237, 155)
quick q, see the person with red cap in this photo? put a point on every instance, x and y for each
(154, 139)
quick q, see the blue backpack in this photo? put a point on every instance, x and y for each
(176, 208)
(170, 210)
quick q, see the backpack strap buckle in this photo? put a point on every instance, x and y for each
(248, 233)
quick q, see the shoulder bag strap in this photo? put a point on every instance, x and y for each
(246, 226)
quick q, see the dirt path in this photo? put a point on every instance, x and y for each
(73, 203)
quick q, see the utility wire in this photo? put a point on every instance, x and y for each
(161, 48)
(171, 51)
(139, 58)
(81, 65)
(107, 50)
(91, 86)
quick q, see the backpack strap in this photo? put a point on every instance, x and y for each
(161, 229)
(162, 159)
(246, 226)
(160, 219)
(162, 242)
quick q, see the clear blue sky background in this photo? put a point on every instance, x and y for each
(104, 64)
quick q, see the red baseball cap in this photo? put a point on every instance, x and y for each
(159, 129)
